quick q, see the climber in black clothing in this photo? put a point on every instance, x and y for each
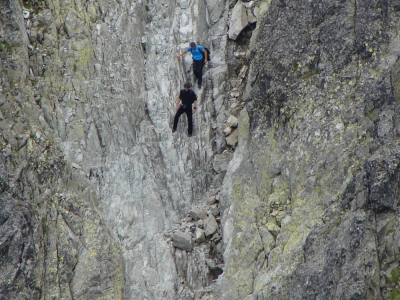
(186, 98)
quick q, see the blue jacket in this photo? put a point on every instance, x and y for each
(197, 53)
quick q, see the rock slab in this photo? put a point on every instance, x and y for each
(182, 241)
(210, 225)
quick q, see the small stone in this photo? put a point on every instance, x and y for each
(234, 105)
(200, 223)
(211, 200)
(189, 219)
(215, 237)
(234, 95)
(199, 236)
(210, 225)
(75, 166)
(202, 214)
(232, 121)
(280, 216)
(211, 263)
(220, 248)
(221, 163)
(278, 198)
(249, 4)
(286, 220)
(243, 71)
(232, 139)
(274, 213)
(213, 192)
(227, 131)
(273, 228)
(239, 54)
(199, 293)
(214, 210)
(235, 82)
(193, 214)
(182, 241)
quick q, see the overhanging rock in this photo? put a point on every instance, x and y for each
(238, 21)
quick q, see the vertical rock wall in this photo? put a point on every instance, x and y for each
(93, 183)
(92, 176)
(311, 195)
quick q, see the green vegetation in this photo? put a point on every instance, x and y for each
(296, 66)
(395, 275)
(144, 47)
(35, 5)
(336, 224)
(394, 295)
(313, 72)
(5, 46)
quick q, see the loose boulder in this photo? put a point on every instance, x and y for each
(182, 241)
(210, 225)
(232, 121)
(232, 139)
(199, 235)
(198, 214)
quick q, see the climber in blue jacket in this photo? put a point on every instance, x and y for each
(199, 56)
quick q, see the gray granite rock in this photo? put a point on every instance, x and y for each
(199, 235)
(211, 200)
(89, 110)
(238, 20)
(91, 176)
(182, 241)
(332, 211)
(232, 121)
(227, 131)
(210, 225)
(193, 214)
(232, 139)
(198, 214)
(214, 209)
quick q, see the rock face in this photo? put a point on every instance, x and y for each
(95, 190)
(318, 142)
(92, 175)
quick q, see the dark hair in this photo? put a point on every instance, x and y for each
(187, 85)
(192, 44)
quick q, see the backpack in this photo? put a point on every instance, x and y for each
(208, 53)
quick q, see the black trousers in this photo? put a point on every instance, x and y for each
(188, 111)
(198, 69)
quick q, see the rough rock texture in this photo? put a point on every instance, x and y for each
(317, 164)
(93, 185)
(53, 242)
(182, 241)
(93, 176)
